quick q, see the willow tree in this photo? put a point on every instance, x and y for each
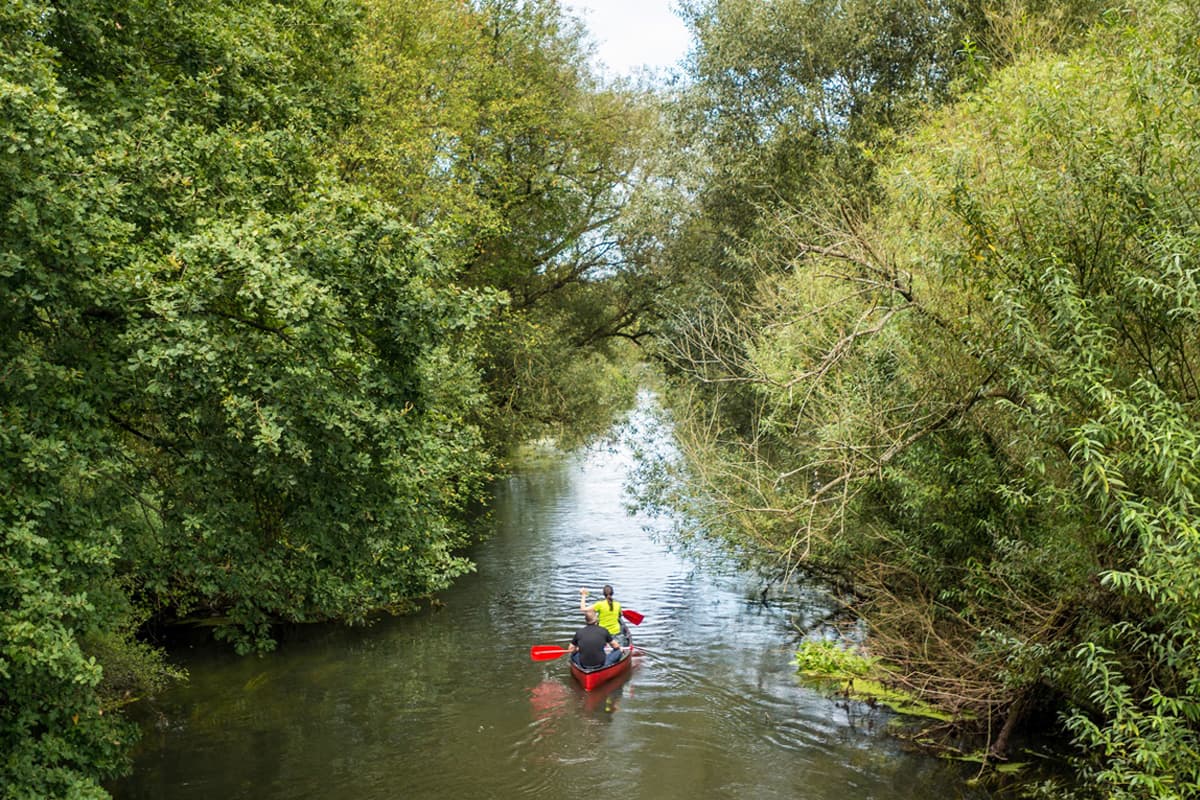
(790, 107)
(980, 401)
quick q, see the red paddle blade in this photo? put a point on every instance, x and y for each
(632, 616)
(546, 652)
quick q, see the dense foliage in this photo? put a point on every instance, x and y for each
(970, 386)
(281, 280)
(483, 119)
(260, 284)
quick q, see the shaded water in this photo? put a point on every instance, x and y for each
(447, 703)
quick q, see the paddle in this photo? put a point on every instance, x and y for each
(546, 652)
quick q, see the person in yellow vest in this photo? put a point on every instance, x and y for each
(608, 613)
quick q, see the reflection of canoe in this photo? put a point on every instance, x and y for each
(606, 698)
(591, 678)
(549, 698)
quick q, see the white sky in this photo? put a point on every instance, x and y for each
(631, 34)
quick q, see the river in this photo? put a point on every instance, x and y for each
(448, 704)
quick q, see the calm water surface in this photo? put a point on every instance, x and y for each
(448, 704)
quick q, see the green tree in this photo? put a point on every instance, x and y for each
(792, 107)
(234, 385)
(978, 401)
(60, 463)
(483, 119)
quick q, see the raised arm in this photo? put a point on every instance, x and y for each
(583, 593)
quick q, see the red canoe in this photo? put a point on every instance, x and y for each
(591, 678)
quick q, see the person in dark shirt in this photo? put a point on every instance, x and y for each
(587, 646)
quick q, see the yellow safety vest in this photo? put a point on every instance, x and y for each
(609, 618)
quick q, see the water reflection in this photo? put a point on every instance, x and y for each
(607, 698)
(552, 699)
(448, 704)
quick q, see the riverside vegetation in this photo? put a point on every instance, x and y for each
(284, 282)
